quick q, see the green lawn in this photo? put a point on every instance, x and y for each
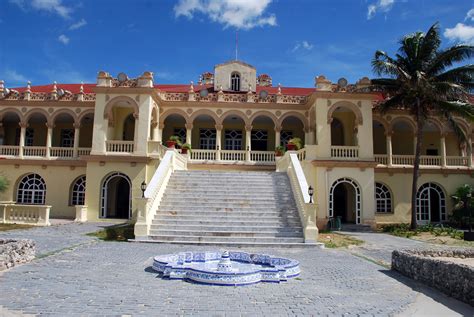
(13, 226)
(121, 232)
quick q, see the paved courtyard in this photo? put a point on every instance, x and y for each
(77, 275)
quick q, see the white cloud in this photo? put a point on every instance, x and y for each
(52, 6)
(302, 45)
(63, 39)
(469, 15)
(241, 14)
(10, 75)
(460, 33)
(380, 6)
(78, 25)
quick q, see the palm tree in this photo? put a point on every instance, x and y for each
(427, 81)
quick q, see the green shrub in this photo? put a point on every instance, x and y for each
(3, 183)
(399, 229)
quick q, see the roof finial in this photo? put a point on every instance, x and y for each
(279, 88)
(191, 86)
(81, 89)
(28, 86)
(55, 88)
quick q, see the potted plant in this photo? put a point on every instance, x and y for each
(173, 141)
(294, 144)
(185, 148)
(279, 150)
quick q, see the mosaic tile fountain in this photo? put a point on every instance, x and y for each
(226, 268)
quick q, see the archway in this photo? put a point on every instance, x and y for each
(402, 137)
(116, 196)
(128, 128)
(379, 137)
(175, 124)
(430, 204)
(345, 200)
(337, 132)
(234, 133)
(204, 132)
(86, 129)
(37, 130)
(291, 127)
(10, 129)
(63, 131)
(431, 139)
(343, 121)
(263, 134)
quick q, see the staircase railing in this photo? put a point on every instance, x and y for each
(290, 164)
(148, 205)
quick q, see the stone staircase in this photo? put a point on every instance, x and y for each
(228, 208)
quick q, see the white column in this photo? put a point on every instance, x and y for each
(189, 132)
(277, 136)
(49, 139)
(77, 130)
(443, 150)
(218, 141)
(389, 149)
(248, 141)
(159, 137)
(156, 131)
(23, 127)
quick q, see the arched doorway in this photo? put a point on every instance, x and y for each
(430, 204)
(337, 132)
(116, 196)
(129, 128)
(345, 201)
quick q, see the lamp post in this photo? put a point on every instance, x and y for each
(311, 193)
(143, 188)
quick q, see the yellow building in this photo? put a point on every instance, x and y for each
(55, 137)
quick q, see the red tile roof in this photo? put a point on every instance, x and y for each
(73, 88)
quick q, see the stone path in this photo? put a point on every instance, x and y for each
(114, 278)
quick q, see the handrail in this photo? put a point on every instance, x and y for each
(37, 215)
(155, 190)
(290, 164)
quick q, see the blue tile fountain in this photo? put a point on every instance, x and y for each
(226, 268)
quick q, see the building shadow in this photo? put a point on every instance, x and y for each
(436, 295)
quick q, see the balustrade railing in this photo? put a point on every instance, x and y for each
(62, 152)
(203, 155)
(427, 160)
(25, 214)
(10, 150)
(403, 159)
(301, 154)
(38, 151)
(381, 159)
(345, 152)
(119, 146)
(263, 157)
(82, 151)
(230, 155)
(457, 160)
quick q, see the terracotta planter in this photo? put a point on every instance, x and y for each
(291, 147)
(171, 144)
(184, 151)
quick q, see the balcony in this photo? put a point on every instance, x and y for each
(345, 152)
(117, 146)
(42, 152)
(426, 161)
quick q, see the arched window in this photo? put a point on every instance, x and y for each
(235, 82)
(31, 190)
(78, 191)
(383, 198)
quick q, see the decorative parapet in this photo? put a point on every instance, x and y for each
(233, 97)
(37, 215)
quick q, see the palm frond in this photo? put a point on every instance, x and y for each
(429, 45)
(393, 102)
(463, 109)
(460, 133)
(448, 57)
(459, 74)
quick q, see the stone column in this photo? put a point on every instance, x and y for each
(49, 139)
(218, 141)
(389, 149)
(189, 132)
(277, 136)
(159, 137)
(156, 131)
(443, 150)
(248, 141)
(23, 126)
(77, 130)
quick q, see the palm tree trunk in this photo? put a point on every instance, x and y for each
(416, 163)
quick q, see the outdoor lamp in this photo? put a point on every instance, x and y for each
(143, 188)
(311, 193)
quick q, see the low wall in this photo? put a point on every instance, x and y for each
(454, 279)
(14, 252)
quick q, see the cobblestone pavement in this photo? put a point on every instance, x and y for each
(113, 278)
(379, 246)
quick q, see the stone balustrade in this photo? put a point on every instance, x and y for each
(16, 151)
(37, 215)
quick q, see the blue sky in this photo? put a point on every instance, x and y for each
(291, 40)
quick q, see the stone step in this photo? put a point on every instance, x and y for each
(229, 195)
(234, 244)
(235, 200)
(222, 192)
(180, 221)
(224, 205)
(218, 233)
(249, 212)
(227, 228)
(226, 239)
(210, 218)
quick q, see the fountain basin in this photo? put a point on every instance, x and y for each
(226, 268)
